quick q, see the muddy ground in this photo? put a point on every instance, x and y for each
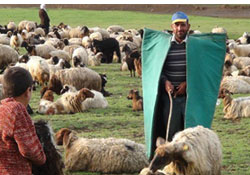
(230, 11)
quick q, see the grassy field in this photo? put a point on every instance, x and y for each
(118, 120)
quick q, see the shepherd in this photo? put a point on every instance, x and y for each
(181, 79)
(44, 18)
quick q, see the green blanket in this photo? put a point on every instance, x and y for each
(205, 58)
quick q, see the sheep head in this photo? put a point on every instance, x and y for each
(65, 137)
(85, 93)
(168, 152)
(55, 84)
(48, 95)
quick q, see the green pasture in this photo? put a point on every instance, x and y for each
(118, 120)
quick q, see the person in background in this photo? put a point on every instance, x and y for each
(19, 144)
(45, 21)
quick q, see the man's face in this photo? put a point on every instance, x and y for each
(180, 30)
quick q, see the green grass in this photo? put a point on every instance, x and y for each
(118, 120)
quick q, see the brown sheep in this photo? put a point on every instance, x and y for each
(136, 100)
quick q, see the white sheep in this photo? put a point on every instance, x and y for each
(43, 50)
(30, 26)
(236, 84)
(86, 42)
(219, 30)
(54, 68)
(235, 108)
(96, 36)
(22, 25)
(95, 60)
(12, 26)
(115, 28)
(104, 32)
(70, 49)
(75, 41)
(80, 57)
(7, 56)
(61, 54)
(76, 32)
(241, 62)
(39, 69)
(193, 151)
(104, 155)
(240, 50)
(5, 38)
(40, 31)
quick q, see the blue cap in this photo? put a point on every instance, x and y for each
(179, 17)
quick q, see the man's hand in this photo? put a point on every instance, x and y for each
(169, 87)
(181, 89)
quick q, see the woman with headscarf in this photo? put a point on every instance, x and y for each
(44, 18)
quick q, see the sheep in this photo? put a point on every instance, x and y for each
(54, 68)
(229, 68)
(107, 47)
(105, 33)
(219, 30)
(95, 60)
(22, 25)
(12, 26)
(86, 42)
(98, 101)
(39, 31)
(39, 69)
(193, 151)
(96, 36)
(53, 41)
(68, 103)
(42, 50)
(241, 62)
(110, 155)
(244, 39)
(30, 26)
(80, 57)
(5, 38)
(7, 55)
(78, 77)
(78, 32)
(234, 108)
(75, 41)
(54, 163)
(115, 28)
(240, 50)
(70, 49)
(16, 41)
(236, 85)
(61, 54)
(245, 71)
(137, 103)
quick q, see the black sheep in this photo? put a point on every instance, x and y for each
(107, 47)
(54, 163)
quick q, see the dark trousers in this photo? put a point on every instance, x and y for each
(178, 113)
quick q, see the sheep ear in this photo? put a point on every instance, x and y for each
(160, 141)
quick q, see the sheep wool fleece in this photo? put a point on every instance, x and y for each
(205, 54)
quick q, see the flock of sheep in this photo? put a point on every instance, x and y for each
(60, 61)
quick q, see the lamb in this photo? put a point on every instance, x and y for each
(107, 47)
(7, 56)
(80, 57)
(137, 100)
(234, 108)
(193, 151)
(54, 163)
(98, 101)
(78, 77)
(108, 155)
(240, 50)
(236, 85)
